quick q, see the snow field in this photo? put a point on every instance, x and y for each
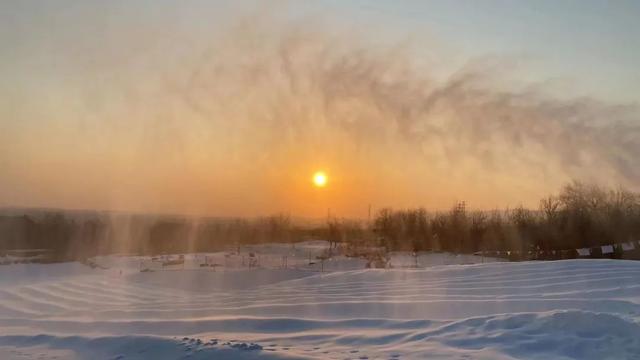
(574, 309)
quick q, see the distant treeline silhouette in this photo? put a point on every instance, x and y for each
(73, 236)
(580, 216)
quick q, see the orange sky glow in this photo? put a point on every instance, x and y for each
(234, 122)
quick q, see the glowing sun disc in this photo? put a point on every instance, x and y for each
(320, 179)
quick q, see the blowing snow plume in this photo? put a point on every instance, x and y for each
(298, 92)
(237, 123)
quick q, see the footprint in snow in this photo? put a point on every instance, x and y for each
(245, 346)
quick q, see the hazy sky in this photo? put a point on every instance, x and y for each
(227, 108)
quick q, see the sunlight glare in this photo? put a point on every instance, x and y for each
(320, 179)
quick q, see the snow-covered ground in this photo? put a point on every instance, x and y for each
(454, 308)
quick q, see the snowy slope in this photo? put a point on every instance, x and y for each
(577, 309)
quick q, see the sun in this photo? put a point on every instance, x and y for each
(320, 179)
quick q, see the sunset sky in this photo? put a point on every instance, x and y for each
(229, 108)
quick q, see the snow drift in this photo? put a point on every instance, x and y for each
(575, 309)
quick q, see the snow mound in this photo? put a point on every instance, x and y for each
(132, 348)
(574, 309)
(553, 335)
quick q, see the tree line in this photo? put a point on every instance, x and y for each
(76, 237)
(580, 216)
